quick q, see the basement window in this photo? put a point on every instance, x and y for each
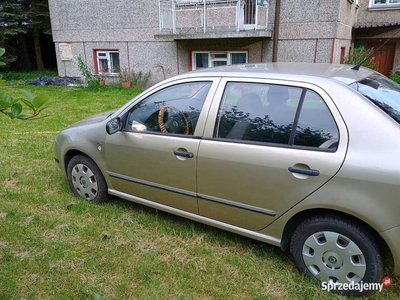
(107, 61)
(203, 59)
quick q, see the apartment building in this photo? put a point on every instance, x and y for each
(168, 37)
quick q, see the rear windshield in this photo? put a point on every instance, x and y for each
(383, 92)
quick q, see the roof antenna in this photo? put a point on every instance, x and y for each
(357, 67)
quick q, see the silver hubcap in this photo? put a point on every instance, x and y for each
(333, 257)
(84, 181)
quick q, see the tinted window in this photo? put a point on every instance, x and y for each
(383, 92)
(267, 113)
(175, 109)
(316, 126)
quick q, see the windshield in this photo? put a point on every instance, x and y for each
(382, 91)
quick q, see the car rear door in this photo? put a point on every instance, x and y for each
(157, 162)
(252, 167)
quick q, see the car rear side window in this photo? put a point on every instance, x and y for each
(267, 113)
(383, 92)
(316, 126)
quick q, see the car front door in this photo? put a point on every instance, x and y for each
(266, 147)
(154, 156)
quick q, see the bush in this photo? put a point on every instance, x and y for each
(395, 75)
(358, 55)
(91, 80)
(140, 79)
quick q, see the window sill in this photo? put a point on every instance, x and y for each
(384, 7)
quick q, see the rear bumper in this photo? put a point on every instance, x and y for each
(392, 238)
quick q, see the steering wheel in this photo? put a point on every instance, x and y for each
(177, 123)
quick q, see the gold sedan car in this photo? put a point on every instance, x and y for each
(301, 156)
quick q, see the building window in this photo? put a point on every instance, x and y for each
(384, 4)
(107, 61)
(201, 60)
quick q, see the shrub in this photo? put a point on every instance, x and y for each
(358, 55)
(395, 75)
(141, 79)
(91, 79)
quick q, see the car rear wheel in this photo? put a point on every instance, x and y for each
(86, 179)
(335, 250)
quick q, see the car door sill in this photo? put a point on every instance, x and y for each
(235, 229)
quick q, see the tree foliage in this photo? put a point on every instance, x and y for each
(20, 22)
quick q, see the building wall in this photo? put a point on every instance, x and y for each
(379, 25)
(310, 31)
(126, 26)
(315, 30)
(369, 16)
(77, 15)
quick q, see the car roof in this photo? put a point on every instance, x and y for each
(288, 70)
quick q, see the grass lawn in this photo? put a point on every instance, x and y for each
(56, 246)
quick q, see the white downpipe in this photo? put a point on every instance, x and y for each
(238, 10)
(173, 17)
(205, 17)
(256, 17)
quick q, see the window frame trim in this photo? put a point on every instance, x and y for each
(97, 60)
(202, 121)
(212, 120)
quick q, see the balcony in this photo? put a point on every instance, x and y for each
(201, 19)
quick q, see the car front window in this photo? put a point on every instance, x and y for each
(383, 92)
(175, 109)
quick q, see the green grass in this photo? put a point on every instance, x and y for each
(56, 246)
(23, 76)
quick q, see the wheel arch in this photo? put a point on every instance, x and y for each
(69, 155)
(74, 152)
(295, 221)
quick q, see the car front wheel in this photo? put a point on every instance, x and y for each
(337, 251)
(86, 179)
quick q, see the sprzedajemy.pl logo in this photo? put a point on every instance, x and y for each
(356, 286)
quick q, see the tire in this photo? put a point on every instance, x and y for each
(86, 180)
(334, 250)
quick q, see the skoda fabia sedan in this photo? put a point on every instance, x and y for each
(301, 156)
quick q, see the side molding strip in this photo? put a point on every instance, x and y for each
(228, 227)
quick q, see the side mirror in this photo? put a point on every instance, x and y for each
(113, 126)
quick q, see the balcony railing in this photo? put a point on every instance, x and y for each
(210, 16)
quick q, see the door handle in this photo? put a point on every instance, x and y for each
(183, 154)
(304, 171)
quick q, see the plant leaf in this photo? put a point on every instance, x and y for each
(4, 104)
(10, 114)
(27, 103)
(40, 100)
(16, 109)
(97, 296)
(2, 51)
(22, 117)
(28, 95)
(8, 99)
(2, 64)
